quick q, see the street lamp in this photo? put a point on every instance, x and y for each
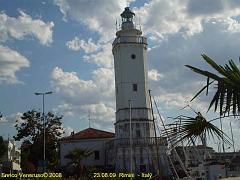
(44, 124)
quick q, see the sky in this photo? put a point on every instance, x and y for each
(65, 46)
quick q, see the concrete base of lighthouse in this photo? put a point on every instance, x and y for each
(143, 143)
(144, 155)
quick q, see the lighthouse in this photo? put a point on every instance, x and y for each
(130, 64)
(135, 141)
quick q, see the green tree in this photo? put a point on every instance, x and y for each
(3, 147)
(30, 129)
(227, 95)
(76, 156)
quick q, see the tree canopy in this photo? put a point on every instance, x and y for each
(30, 130)
(31, 126)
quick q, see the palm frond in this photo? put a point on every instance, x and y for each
(192, 129)
(227, 95)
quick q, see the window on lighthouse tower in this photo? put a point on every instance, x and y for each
(138, 133)
(133, 56)
(134, 86)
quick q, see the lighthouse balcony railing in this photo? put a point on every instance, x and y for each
(130, 39)
(148, 141)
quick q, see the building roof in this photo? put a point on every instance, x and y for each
(89, 133)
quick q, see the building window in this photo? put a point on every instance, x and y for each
(96, 155)
(125, 127)
(137, 125)
(133, 56)
(138, 134)
(134, 87)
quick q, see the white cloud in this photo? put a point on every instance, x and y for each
(15, 118)
(19, 28)
(3, 120)
(66, 109)
(159, 18)
(212, 7)
(178, 32)
(98, 53)
(98, 16)
(23, 26)
(12, 118)
(102, 58)
(82, 96)
(67, 131)
(69, 84)
(170, 101)
(79, 94)
(79, 44)
(154, 75)
(100, 112)
(162, 18)
(231, 25)
(172, 54)
(10, 62)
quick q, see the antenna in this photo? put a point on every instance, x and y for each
(128, 3)
(139, 23)
(89, 118)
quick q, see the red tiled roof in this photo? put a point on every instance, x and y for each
(90, 133)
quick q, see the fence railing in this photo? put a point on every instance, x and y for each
(130, 39)
(161, 141)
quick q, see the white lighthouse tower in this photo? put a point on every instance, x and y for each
(130, 62)
(134, 148)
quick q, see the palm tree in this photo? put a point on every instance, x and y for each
(186, 130)
(190, 129)
(227, 95)
(76, 156)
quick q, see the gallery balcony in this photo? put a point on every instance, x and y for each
(137, 142)
(130, 39)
